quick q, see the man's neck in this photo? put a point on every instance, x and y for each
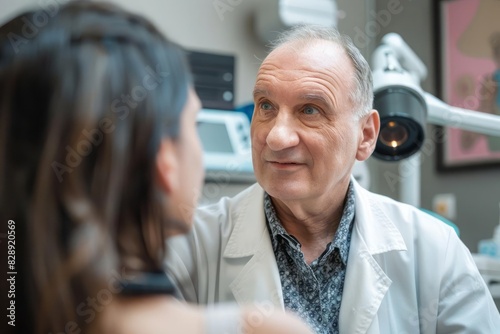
(313, 224)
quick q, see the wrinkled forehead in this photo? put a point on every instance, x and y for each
(309, 55)
(307, 61)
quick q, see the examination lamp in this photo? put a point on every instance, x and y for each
(398, 99)
(405, 108)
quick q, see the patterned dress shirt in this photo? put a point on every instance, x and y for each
(314, 292)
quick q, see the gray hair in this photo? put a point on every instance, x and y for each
(362, 95)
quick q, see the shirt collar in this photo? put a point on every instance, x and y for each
(341, 239)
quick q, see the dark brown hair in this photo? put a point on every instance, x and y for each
(84, 105)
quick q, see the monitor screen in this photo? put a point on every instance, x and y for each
(214, 137)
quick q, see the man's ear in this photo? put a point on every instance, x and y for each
(370, 127)
(167, 167)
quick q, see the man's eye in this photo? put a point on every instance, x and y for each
(309, 110)
(266, 106)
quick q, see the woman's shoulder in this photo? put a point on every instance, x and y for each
(223, 318)
(164, 314)
(230, 318)
(151, 314)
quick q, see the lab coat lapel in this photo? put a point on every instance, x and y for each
(366, 283)
(259, 280)
(364, 288)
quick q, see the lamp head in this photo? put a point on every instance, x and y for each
(400, 103)
(402, 118)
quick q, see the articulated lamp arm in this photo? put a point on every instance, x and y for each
(440, 113)
(405, 108)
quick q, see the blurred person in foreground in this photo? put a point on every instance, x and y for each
(308, 237)
(99, 163)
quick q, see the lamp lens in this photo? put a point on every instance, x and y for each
(393, 134)
(403, 113)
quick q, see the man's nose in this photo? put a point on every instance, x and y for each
(283, 133)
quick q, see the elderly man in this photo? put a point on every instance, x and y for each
(307, 237)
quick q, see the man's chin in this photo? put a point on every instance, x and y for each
(285, 190)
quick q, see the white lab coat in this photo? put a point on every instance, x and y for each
(407, 272)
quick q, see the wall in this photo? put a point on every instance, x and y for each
(10, 8)
(477, 192)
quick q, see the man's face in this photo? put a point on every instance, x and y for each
(305, 134)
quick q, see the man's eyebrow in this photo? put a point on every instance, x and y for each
(258, 91)
(315, 97)
(306, 97)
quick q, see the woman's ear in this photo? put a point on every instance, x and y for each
(167, 167)
(370, 127)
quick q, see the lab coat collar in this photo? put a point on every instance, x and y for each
(370, 220)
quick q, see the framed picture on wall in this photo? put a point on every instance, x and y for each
(469, 52)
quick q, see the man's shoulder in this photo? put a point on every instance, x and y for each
(221, 217)
(225, 206)
(407, 218)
